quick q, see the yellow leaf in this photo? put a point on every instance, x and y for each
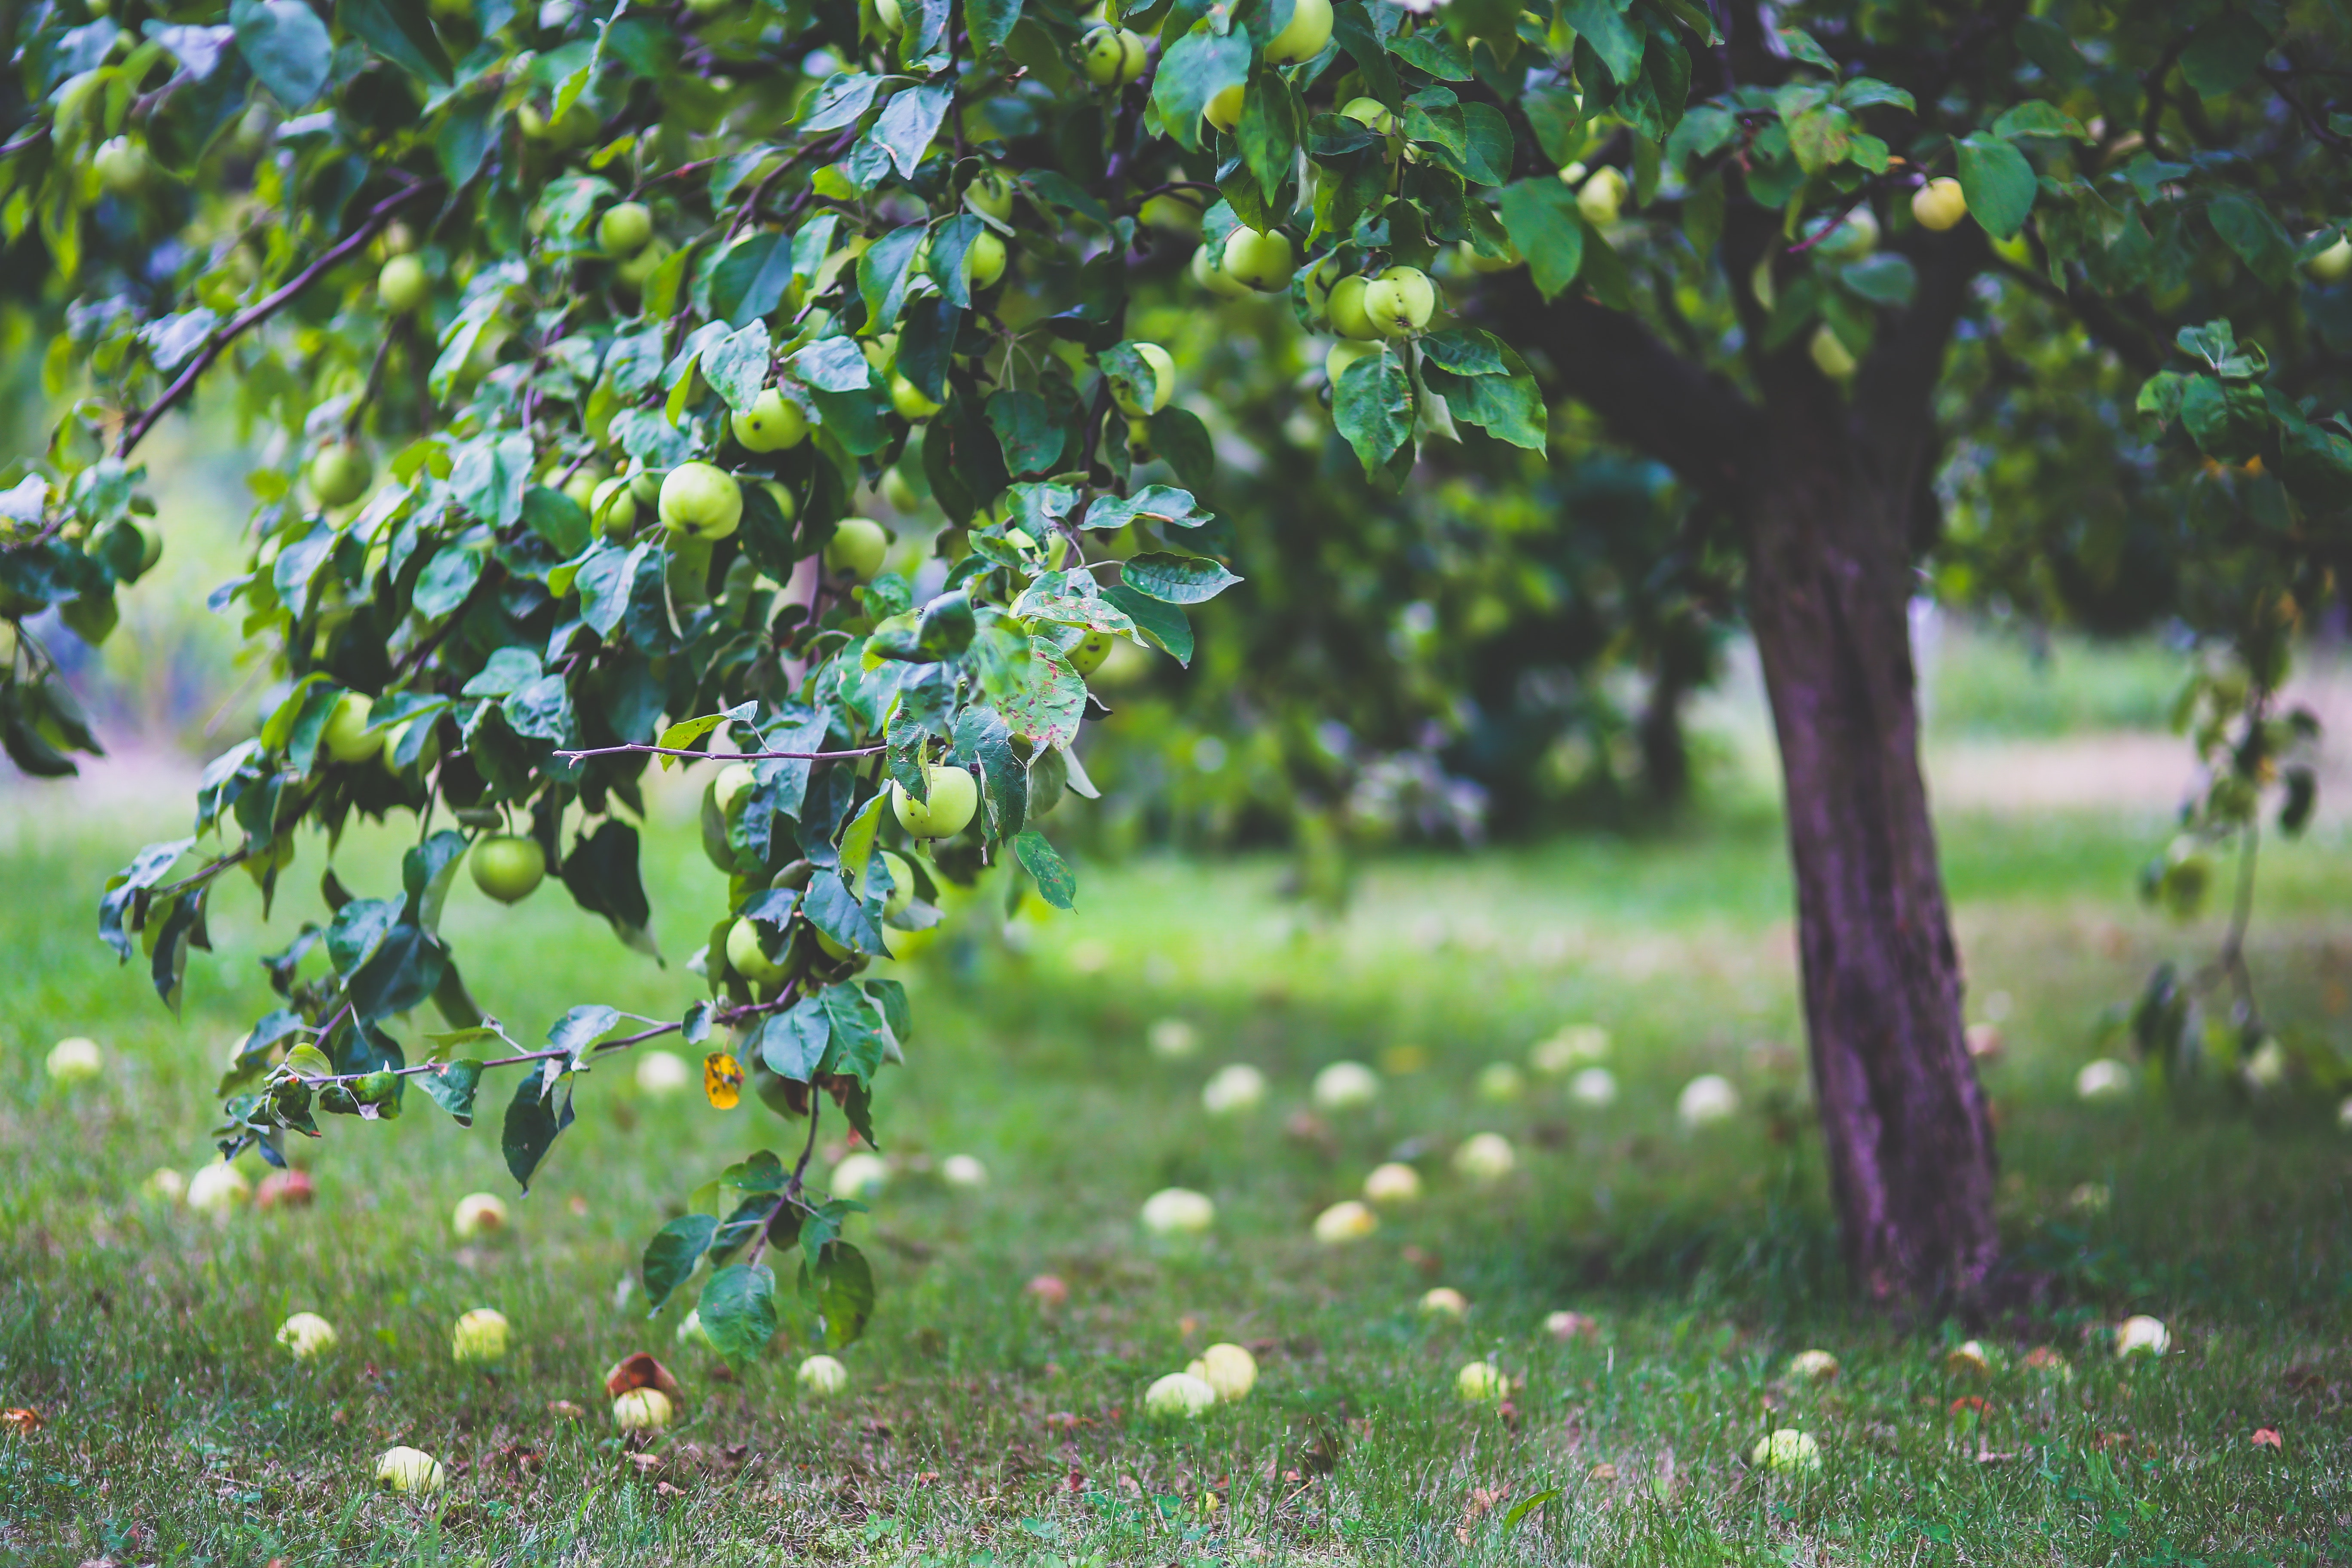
(722, 1079)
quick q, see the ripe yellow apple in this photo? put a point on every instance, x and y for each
(1345, 1220)
(480, 1336)
(1940, 204)
(405, 1470)
(346, 736)
(403, 285)
(746, 958)
(625, 228)
(773, 424)
(1393, 1183)
(1178, 1211)
(1228, 1368)
(1302, 38)
(508, 866)
(339, 473)
(1163, 386)
(1259, 258)
(955, 797)
(702, 501)
(478, 1215)
(859, 547)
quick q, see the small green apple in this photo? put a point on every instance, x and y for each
(480, 1336)
(1224, 110)
(902, 884)
(75, 1060)
(1603, 197)
(1347, 313)
(508, 867)
(1477, 261)
(748, 958)
(1940, 204)
(405, 1470)
(638, 270)
(773, 424)
(1371, 113)
(822, 1376)
(1342, 355)
(1400, 301)
(1261, 259)
(954, 797)
(1163, 382)
(625, 228)
(643, 1410)
(123, 167)
(990, 195)
(858, 547)
(983, 260)
(613, 506)
(1830, 356)
(1179, 1396)
(2332, 265)
(912, 404)
(1308, 30)
(1112, 57)
(1092, 649)
(1210, 277)
(339, 473)
(478, 1215)
(403, 285)
(346, 736)
(701, 500)
(306, 1335)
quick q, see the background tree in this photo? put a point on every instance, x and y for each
(543, 269)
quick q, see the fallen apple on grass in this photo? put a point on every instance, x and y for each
(661, 1074)
(480, 1336)
(1344, 1222)
(1346, 1086)
(1444, 1301)
(1480, 1383)
(405, 1470)
(478, 1215)
(1234, 1089)
(1394, 1183)
(1229, 1369)
(822, 1376)
(1813, 1366)
(1179, 1396)
(75, 1060)
(1178, 1211)
(218, 1189)
(1787, 1450)
(1705, 1101)
(1485, 1158)
(307, 1335)
(643, 1410)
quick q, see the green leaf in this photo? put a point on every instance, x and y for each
(401, 33)
(1372, 407)
(859, 1035)
(793, 1042)
(287, 46)
(840, 103)
(451, 1087)
(2224, 53)
(427, 870)
(1053, 879)
(1178, 436)
(737, 365)
(1540, 217)
(1614, 37)
(1525, 1506)
(1269, 130)
(1163, 623)
(909, 120)
(839, 1289)
(748, 283)
(833, 910)
(1507, 407)
(2228, 419)
(1195, 69)
(2036, 117)
(982, 741)
(1162, 505)
(1864, 92)
(1820, 137)
(602, 876)
(2248, 228)
(1997, 181)
(1887, 278)
(672, 1254)
(1177, 579)
(990, 22)
(737, 1311)
(1026, 427)
(534, 1118)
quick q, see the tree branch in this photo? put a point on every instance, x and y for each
(1651, 397)
(373, 223)
(720, 756)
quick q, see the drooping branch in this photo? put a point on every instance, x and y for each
(723, 757)
(378, 219)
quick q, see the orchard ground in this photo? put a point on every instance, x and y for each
(979, 1427)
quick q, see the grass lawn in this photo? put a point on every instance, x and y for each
(978, 1427)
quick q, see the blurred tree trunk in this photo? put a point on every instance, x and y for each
(1826, 485)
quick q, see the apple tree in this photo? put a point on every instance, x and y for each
(573, 334)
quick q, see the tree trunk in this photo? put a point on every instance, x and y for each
(1826, 484)
(1910, 1148)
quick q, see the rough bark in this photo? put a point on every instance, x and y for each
(1825, 485)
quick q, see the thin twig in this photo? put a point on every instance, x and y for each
(378, 217)
(719, 756)
(727, 1015)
